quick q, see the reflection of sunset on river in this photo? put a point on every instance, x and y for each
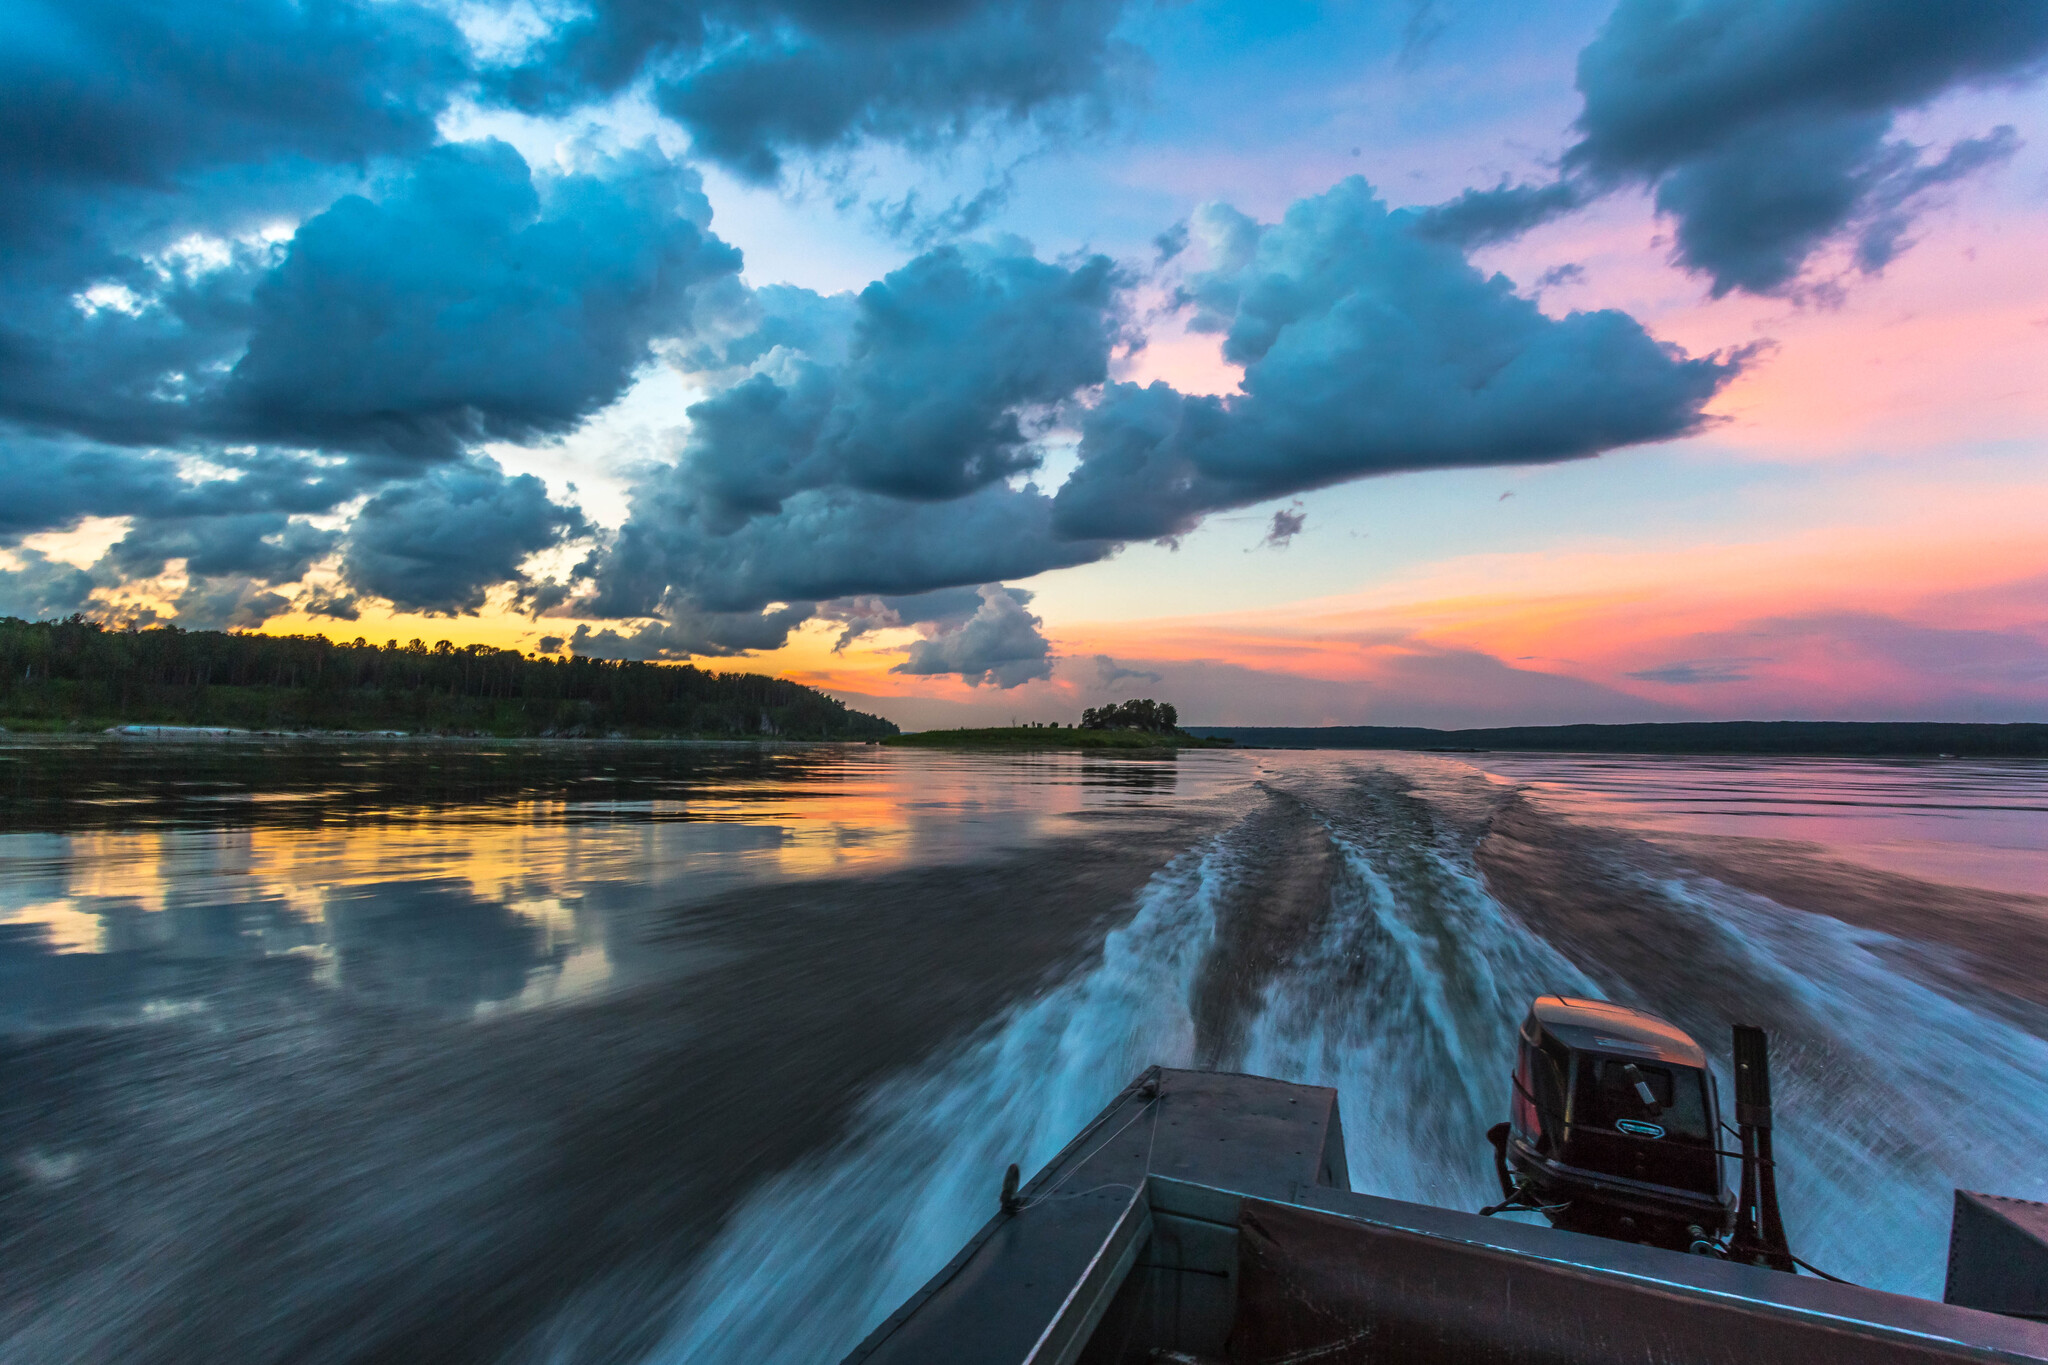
(533, 893)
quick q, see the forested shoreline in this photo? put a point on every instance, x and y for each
(1841, 738)
(78, 675)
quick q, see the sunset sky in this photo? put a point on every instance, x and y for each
(1408, 363)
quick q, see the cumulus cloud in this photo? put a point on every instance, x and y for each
(888, 463)
(51, 484)
(127, 95)
(473, 303)
(243, 518)
(227, 603)
(338, 606)
(1000, 645)
(819, 475)
(242, 227)
(467, 299)
(48, 484)
(754, 82)
(146, 150)
(265, 547)
(239, 238)
(40, 586)
(1368, 348)
(1766, 128)
(827, 544)
(945, 608)
(438, 543)
(685, 630)
(944, 358)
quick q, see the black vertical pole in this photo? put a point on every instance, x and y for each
(1759, 1231)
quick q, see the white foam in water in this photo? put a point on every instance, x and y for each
(1887, 1096)
(1407, 1006)
(817, 1257)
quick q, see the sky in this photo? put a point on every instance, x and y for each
(1441, 363)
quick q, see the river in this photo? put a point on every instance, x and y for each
(666, 1053)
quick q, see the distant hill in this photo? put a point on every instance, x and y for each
(1841, 737)
(78, 675)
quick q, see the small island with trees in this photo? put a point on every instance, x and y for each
(1131, 725)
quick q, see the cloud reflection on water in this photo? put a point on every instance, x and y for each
(453, 878)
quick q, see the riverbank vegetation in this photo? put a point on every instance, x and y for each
(77, 675)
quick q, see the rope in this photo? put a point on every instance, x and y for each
(1151, 1105)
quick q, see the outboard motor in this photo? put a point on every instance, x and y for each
(1614, 1128)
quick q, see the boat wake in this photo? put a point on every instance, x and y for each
(822, 1253)
(1402, 990)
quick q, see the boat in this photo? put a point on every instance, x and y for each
(1207, 1218)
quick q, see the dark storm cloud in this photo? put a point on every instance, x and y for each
(1766, 128)
(469, 302)
(228, 603)
(435, 296)
(130, 130)
(336, 606)
(1368, 349)
(438, 543)
(1000, 644)
(42, 586)
(268, 547)
(755, 80)
(46, 484)
(119, 346)
(237, 532)
(1751, 214)
(131, 95)
(880, 471)
(827, 544)
(49, 484)
(473, 304)
(821, 475)
(944, 356)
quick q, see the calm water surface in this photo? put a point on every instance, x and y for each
(467, 1052)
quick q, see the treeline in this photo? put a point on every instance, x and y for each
(1845, 738)
(76, 673)
(1156, 716)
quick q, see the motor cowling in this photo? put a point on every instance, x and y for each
(1613, 1127)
